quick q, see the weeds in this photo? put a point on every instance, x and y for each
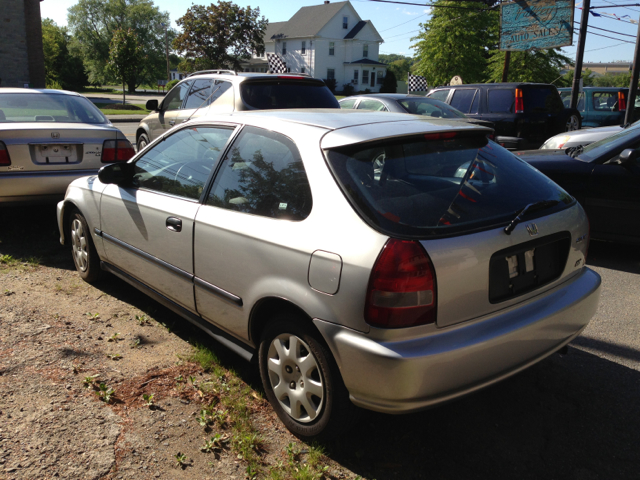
(136, 342)
(105, 393)
(113, 338)
(8, 262)
(181, 460)
(142, 320)
(308, 468)
(92, 316)
(88, 381)
(217, 443)
(114, 356)
(8, 292)
(148, 399)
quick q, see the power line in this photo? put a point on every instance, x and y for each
(404, 23)
(632, 9)
(605, 30)
(434, 5)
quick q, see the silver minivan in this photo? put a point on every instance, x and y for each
(374, 260)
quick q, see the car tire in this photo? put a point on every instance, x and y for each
(302, 381)
(142, 141)
(85, 256)
(573, 122)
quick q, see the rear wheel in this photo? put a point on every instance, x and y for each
(143, 141)
(573, 123)
(302, 381)
(85, 256)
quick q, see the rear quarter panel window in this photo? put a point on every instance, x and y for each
(287, 94)
(348, 103)
(501, 100)
(439, 95)
(263, 174)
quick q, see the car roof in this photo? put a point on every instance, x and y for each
(37, 90)
(238, 76)
(613, 89)
(335, 119)
(489, 85)
(392, 96)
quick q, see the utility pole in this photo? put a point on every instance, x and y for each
(505, 70)
(633, 88)
(582, 37)
(166, 49)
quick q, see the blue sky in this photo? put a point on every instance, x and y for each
(398, 23)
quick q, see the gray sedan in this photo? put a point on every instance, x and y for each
(48, 138)
(388, 262)
(583, 137)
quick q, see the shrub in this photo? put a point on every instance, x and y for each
(389, 84)
(347, 89)
(171, 84)
(331, 83)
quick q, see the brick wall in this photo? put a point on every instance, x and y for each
(21, 57)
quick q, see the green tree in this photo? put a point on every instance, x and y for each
(613, 80)
(456, 42)
(62, 69)
(219, 36)
(542, 66)
(125, 54)
(401, 68)
(93, 23)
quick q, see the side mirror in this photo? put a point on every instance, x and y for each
(117, 173)
(627, 157)
(152, 105)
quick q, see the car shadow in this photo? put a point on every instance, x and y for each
(614, 256)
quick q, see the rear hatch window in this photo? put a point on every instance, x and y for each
(439, 184)
(48, 107)
(282, 93)
(541, 99)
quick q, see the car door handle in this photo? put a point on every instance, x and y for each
(174, 224)
(172, 122)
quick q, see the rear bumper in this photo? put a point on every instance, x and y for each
(410, 375)
(37, 187)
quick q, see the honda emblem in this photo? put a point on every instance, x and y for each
(532, 228)
(55, 135)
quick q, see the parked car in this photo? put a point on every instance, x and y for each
(49, 138)
(222, 91)
(604, 177)
(524, 114)
(388, 262)
(584, 136)
(600, 106)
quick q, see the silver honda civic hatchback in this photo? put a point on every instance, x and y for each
(374, 260)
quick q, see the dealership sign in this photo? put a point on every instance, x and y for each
(529, 24)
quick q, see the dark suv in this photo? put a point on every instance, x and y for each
(524, 114)
(220, 91)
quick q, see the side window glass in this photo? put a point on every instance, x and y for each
(501, 100)
(462, 99)
(348, 103)
(605, 101)
(181, 164)
(199, 94)
(263, 175)
(440, 95)
(174, 99)
(371, 105)
(219, 90)
(476, 103)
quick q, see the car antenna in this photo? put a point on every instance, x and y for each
(203, 102)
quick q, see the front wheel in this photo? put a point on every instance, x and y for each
(573, 123)
(302, 381)
(85, 256)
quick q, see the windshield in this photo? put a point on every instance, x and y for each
(439, 184)
(612, 144)
(48, 107)
(430, 107)
(287, 94)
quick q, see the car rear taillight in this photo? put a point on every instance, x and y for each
(4, 155)
(622, 102)
(117, 151)
(519, 101)
(402, 287)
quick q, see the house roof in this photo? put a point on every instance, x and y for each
(306, 22)
(354, 31)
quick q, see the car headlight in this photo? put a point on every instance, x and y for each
(556, 142)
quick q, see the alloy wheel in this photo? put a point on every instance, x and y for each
(79, 244)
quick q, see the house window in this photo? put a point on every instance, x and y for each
(365, 51)
(303, 50)
(345, 22)
(302, 70)
(332, 48)
(355, 77)
(365, 76)
(331, 73)
(284, 48)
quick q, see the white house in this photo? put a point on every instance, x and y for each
(326, 41)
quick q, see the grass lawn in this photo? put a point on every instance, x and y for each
(112, 111)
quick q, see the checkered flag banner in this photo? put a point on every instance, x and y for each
(417, 83)
(276, 64)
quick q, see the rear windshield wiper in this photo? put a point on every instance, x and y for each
(574, 151)
(528, 209)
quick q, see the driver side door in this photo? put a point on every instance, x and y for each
(147, 227)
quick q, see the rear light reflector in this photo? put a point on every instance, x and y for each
(402, 287)
(622, 102)
(519, 101)
(4, 155)
(117, 151)
(440, 136)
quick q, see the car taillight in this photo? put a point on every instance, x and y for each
(622, 102)
(4, 155)
(440, 136)
(519, 101)
(402, 287)
(117, 151)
